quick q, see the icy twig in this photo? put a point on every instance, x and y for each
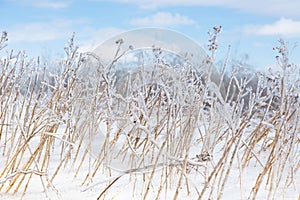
(12, 175)
(146, 169)
(60, 138)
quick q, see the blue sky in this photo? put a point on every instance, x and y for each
(251, 27)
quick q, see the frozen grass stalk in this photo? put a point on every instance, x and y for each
(170, 132)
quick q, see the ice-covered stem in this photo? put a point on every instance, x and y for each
(284, 64)
(71, 48)
(12, 175)
(210, 90)
(283, 59)
(213, 45)
(3, 40)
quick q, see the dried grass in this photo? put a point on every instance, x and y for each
(42, 113)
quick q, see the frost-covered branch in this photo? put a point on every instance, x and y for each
(12, 175)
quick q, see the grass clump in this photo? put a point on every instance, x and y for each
(165, 127)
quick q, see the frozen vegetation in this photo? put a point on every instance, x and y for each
(160, 130)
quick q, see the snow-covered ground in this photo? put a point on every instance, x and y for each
(132, 186)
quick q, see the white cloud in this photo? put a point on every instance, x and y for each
(149, 4)
(277, 8)
(283, 27)
(163, 19)
(41, 31)
(58, 4)
(87, 37)
(50, 4)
